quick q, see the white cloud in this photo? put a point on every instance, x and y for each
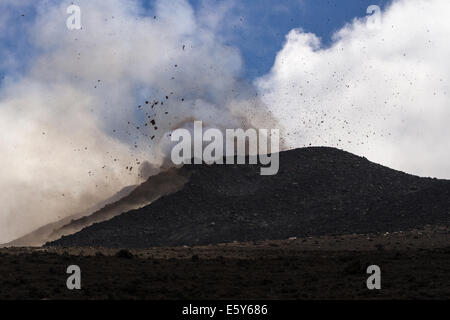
(382, 93)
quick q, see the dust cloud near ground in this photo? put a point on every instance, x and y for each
(130, 198)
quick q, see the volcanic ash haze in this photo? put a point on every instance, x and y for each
(82, 119)
(75, 125)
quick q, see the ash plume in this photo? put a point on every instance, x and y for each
(97, 103)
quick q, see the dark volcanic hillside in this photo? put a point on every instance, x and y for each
(317, 191)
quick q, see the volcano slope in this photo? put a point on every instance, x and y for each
(129, 198)
(317, 191)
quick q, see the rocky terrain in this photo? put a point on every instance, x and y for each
(226, 232)
(318, 191)
(414, 265)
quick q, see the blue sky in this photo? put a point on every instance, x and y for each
(262, 25)
(257, 28)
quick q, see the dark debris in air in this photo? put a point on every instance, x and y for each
(138, 129)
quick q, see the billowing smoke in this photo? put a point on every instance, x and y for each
(97, 103)
(380, 90)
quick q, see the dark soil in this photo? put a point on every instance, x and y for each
(309, 232)
(414, 265)
(318, 191)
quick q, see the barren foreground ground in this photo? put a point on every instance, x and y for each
(414, 264)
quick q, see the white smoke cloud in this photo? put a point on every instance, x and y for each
(378, 92)
(71, 127)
